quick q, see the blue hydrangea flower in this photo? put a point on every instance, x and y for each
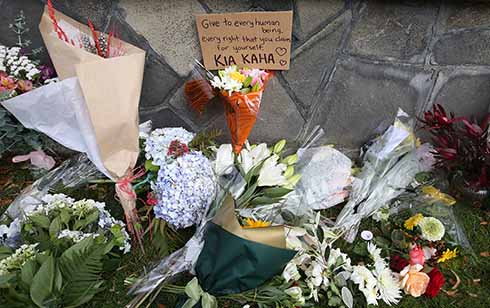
(184, 189)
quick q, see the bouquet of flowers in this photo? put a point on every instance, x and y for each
(461, 148)
(241, 92)
(18, 74)
(390, 164)
(258, 175)
(74, 111)
(60, 248)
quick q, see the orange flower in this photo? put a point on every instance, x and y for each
(413, 281)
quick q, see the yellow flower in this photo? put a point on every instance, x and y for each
(237, 76)
(448, 255)
(251, 223)
(413, 221)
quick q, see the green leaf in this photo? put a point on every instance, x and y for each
(247, 195)
(82, 223)
(5, 252)
(42, 283)
(65, 216)
(40, 220)
(276, 192)
(247, 81)
(264, 200)
(149, 166)
(28, 271)
(55, 227)
(81, 266)
(5, 279)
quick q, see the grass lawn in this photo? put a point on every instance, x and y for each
(473, 269)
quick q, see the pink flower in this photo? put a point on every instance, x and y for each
(417, 255)
(24, 85)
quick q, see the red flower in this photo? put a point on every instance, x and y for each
(151, 200)
(397, 263)
(435, 284)
(176, 148)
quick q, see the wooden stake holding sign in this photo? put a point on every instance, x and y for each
(250, 39)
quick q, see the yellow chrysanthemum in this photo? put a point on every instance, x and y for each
(413, 221)
(251, 223)
(448, 255)
(237, 76)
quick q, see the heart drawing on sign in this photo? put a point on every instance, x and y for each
(281, 51)
(283, 62)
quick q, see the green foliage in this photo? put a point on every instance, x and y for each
(204, 141)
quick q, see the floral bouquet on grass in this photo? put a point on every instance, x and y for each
(241, 92)
(54, 254)
(191, 188)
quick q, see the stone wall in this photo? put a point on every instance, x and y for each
(353, 63)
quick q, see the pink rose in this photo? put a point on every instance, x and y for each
(417, 255)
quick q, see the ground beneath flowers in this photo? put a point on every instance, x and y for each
(468, 277)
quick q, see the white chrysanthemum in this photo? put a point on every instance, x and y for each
(184, 189)
(158, 143)
(432, 229)
(366, 282)
(374, 252)
(388, 285)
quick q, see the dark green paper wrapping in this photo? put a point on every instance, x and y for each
(229, 264)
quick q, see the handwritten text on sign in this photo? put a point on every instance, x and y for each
(252, 39)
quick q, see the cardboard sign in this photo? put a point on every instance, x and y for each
(252, 39)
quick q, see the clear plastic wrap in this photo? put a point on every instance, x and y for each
(390, 164)
(71, 173)
(432, 203)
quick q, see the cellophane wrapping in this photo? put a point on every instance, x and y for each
(71, 173)
(432, 205)
(389, 165)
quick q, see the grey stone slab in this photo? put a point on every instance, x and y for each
(169, 27)
(158, 82)
(463, 47)
(165, 117)
(313, 61)
(464, 92)
(392, 30)
(278, 117)
(274, 5)
(229, 5)
(32, 10)
(196, 120)
(97, 11)
(314, 13)
(362, 99)
(464, 14)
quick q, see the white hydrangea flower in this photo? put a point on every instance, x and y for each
(76, 236)
(157, 144)
(17, 260)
